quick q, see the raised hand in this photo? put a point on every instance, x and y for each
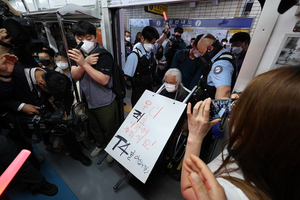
(7, 62)
(202, 180)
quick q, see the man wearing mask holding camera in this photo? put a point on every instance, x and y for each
(175, 43)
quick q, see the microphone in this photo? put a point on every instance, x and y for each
(218, 129)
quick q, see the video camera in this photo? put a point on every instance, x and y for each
(175, 39)
(31, 127)
(23, 31)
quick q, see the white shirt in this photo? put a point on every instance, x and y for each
(232, 192)
(31, 84)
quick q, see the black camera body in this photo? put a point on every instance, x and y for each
(175, 41)
(34, 126)
(46, 120)
(24, 33)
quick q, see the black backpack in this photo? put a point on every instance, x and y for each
(119, 84)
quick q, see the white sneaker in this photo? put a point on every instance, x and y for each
(109, 158)
(96, 152)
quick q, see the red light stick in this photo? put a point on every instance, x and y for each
(12, 169)
(165, 16)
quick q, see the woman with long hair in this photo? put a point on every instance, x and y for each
(262, 151)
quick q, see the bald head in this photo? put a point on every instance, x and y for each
(205, 43)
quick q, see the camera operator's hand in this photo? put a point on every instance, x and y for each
(92, 59)
(170, 45)
(30, 109)
(167, 28)
(7, 63)
(4, 38)
(64, 117)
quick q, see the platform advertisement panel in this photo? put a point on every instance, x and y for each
(193, 27)
(144, 133)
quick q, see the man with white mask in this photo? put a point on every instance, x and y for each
(128, 45)
(239, 46)
(95, 77)
(140, 64)
(61, 61)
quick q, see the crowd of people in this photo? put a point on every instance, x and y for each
(260, 157)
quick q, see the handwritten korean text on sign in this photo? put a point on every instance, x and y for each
(144, 133)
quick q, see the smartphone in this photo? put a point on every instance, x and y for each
(79, 45)
(220, 108)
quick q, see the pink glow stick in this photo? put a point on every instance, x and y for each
(12, 169)
(165, 16)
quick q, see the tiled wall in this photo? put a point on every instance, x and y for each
(225, 8)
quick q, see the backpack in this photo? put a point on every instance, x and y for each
(145, 69)
(119, 84)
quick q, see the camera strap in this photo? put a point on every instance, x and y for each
(6, 44)
(34, 90)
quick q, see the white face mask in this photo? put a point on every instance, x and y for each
(87, 46)
(62, 65)
(224, 43)
(148, 46)
(127, 39)
(237, 50)
(170, 87)
(196, 53)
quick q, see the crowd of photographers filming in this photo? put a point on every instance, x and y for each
(42, 86)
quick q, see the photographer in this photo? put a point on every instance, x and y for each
(176, 43)
(8, 151)
(33, 88)
(7, 62)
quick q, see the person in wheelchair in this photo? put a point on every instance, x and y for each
(173, 86)
(173, 152)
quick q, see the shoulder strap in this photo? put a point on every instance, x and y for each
(252, 192)
(138, 52)
(229, 57)
(185, 53)
(101, 51)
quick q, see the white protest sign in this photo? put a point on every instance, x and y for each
(144, 133)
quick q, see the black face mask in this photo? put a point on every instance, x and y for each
(177, 36)
(217, 46)
(45, 62)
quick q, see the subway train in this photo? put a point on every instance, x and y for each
(272, 25)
